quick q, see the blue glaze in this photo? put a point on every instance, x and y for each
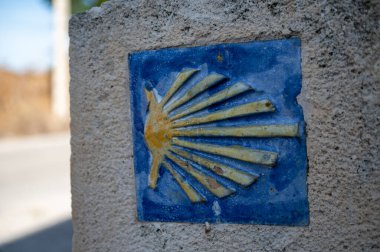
(273, 69)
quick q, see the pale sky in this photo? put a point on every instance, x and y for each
(25, 35)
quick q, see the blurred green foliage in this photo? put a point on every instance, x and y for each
(78, 6)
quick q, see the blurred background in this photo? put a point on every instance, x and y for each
(35, 207)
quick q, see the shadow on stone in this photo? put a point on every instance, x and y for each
(55, 238)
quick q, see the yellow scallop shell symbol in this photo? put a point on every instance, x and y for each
(164, 129)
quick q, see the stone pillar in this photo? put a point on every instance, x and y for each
(60, 77)
(340, 99)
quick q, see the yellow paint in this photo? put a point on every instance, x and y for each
(242, 110)
(211, 184)
(180, 80)
(236, 152)
(219, 57)
(156, 136)
(161, 132)
(237, 176)
(201, 86)
(190, 192)
(290, 130)
(154, 168)
(225, 94)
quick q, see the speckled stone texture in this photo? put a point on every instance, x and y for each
(340, 98)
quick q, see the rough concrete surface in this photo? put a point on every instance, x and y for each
(340, 97)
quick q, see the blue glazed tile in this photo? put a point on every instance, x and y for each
(218, 134)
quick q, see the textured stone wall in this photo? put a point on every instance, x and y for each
(340, 97)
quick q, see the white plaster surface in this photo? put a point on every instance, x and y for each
(340, 97)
